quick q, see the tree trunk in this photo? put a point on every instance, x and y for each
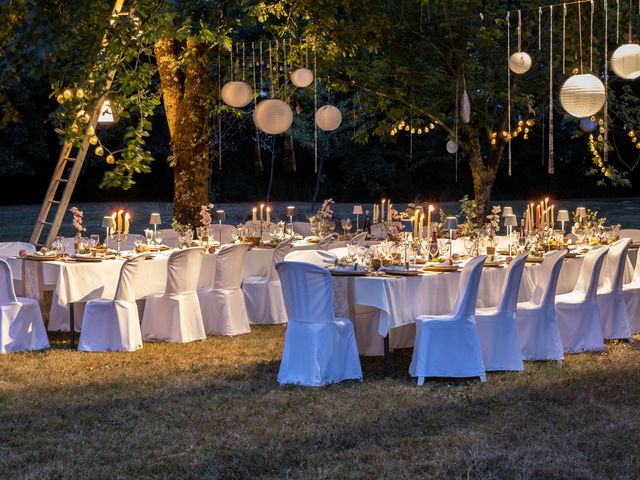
(187, 100)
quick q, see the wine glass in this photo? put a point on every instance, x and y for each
(352, 251)
(434, 249)
(137, 241)
(200, 234)
(94, 240)
(148, 233)
(159, 237)
(347, 225)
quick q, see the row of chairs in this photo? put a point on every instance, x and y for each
(469, 341)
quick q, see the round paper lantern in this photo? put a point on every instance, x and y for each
(625, 61)
(586, 125)
(452, 147)
(328, 118)
(273, 116)
(582, 95)
(237, 94)
(302, 77)
(520, 62)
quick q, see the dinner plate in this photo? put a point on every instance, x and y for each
(493, 264)
(43, 258)
(349, 273)
(534, 259)
(441, 268)
(80, 259)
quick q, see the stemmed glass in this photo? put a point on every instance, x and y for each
(352, 251)
(94, 240)
(346, 225)
(200, 234)
(148, 233)
(159, 237)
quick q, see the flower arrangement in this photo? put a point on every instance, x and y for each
(77, 219)
(205, 214)
(396, 227)
(590, 221)
(325, 212)
(468, 211)
(493, 220)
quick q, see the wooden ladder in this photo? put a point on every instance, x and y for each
(67, 171)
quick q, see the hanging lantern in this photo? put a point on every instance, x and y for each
(452, 147)
(302, 77)
(625, 61)
(586, 125)
(465, 107)
(273, 116)
(520, 62)
(328, 118)
(582, 95)
(107, 113)
(236, 94)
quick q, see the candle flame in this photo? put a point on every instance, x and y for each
(431, 208)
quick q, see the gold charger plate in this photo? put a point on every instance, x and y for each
(85, 259)
(441, 268)
(349, 273)
(493, 264)
(43, 258)
(534, 259)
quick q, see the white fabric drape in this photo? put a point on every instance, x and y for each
(613, 311)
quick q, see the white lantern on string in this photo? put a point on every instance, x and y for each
(328, 118)
(586, 125)
(237, 94)
(625, 61)
(582, 95)
(520, 62)
(302, 77)
(452, 147)
(273, 116)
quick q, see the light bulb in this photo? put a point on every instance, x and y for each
(60, 99)
(67, 94)
(80, 93)
(99, 150)
(111, 159)
(93, 140)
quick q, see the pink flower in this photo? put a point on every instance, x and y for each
(77, 219)
(205, 215)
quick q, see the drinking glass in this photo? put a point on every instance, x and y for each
(352, 251)
(137, 241)
(159, 237)
(148, 233)
(434, 249)
(188, 237)
(200, 234)
(94, 240)
(347, 225)
(343, 222)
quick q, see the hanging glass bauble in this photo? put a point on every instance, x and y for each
(586, 125)
(452, 147)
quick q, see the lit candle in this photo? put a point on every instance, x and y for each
(537, 216)
(389, 208)
(127, 217)
(119, 229)
(553, 223)
(254, 213)
(546, 203)
(375, 213)
(429, 210)
(382, 210)
(421, 226)
(262, 212)
(268, 214)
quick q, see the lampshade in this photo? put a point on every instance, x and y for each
(586, 125)
(302, 77)
(563, 215)
(328, 118)
(520, 62)
(108, 222)
(451, 223)
(582, 95)
(236, 94)
(581, 212)
(107, 114)
(452, 147)
(220, 215)
(506, 211)
(273, 116)
(291, 211)
(154, 219)
(357, 209)
(625, 61)
(510, 221)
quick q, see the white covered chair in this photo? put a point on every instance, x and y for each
(537, 322)
(325, 242)
(319, 348)
(12, 249)
(169, 237)
(128, 243)
(302, 228)
(263, 295)
(174, 316)
(320, 258)
(497, 329)
(578, 312)
(632, 233)
(613, 311)
(21, 324)
(228, 231)
(223, 308)
(448, 345)
(360, 238)
(109, 325)
(631, 293)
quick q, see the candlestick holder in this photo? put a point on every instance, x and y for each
(118, 237)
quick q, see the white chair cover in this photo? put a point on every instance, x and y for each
(497, 329)
(613, 311)
(223, 308)
(537, 323)
(577, 311)
(378, 233)
(128, 243)
(169, 237)
(315, 257)
(263, 295)
(632, 233)
(12, 249)
(325, 242)
(228, 232)
(303, 228)
(109, 325)
(448, 345)
(21, 324)
(174, 316)
(360, 238)
(318, 347)
(631, 293)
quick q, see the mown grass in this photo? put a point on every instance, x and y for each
(213, 409)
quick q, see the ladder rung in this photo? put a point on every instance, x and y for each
(57, 202)
(63, 180)
(44, 222)
(71, 159)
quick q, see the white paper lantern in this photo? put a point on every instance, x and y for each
(273, 116)
(582, 95)
(237, 94)
(625, 61)
(328, 118)
(586, 125)
(452, 147)
(302, 77)
(520, 62)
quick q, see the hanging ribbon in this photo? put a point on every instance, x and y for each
(220, 108)
(591, 41)
(606, 83)
(617, 21)
(550, 167)
(509, 87)
(519, 31)
(564, 32)
(580, 35)
(315, 109)
(539, 28)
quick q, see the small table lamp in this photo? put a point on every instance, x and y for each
(220, 215)
(506, 211)
(290, 213)
(357, 211)
(110, 224)
(510, 221)
(563, 216)
(451, 224)
(155, 220)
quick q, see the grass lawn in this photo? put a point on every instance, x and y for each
(213, 409)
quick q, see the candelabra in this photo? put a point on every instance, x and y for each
(118, 237)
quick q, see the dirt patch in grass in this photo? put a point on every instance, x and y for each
(213, 409)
